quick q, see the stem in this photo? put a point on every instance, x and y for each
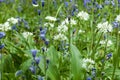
(93, 53)
(70, 46)
(116, 54)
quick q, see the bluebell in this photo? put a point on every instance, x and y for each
(2, 34)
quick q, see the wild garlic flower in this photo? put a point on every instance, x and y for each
(81, 31)
(5, 27)
(104, 42)
(72, 22)
(118, 18)
(60, 36)
(104, 27)
(12, 20)
(62, 28)
(49, 24)
(87, 64)
(83, 15)
(27, 34)
(51, 18)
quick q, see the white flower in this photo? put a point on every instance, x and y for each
(49, 24)
(104, 42)
(87, 64)
(5, 26)
(119, 32)
(72, 22)
(62, 28)
(105, 27)
(50, 18)
(60, 37)
(118, 18)
(27, 34)
(83, 15)
(81, 31)
(12, 20)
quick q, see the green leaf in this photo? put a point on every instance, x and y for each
(76, 69)
(109, 71)
(52, 70)
(7, 64)
(25, 65)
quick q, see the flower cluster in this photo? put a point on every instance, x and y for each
(7, 25)
(88, 64)
(104, 27)
(27, 34)
(83, 15)
(106, 42)
(50, 18)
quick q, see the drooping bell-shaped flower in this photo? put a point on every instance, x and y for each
(34, 52)
(2, 34)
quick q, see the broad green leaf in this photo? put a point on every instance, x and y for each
(52, 71)
(76, 69)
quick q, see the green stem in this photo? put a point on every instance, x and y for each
(70, 47)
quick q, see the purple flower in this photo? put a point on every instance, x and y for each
(37, 60)
(2, 46)
(115, 24)
(113, 3)
(43, 3)
(34, 2)
(43, 33)
(33, 51)
(1, 0)
(118, 1)
(46, 42)
(109, 55)
(89, 78)
(86, 1)
(66, 4)
(40, 78)
(14, 27)
(39, 12)
(32, 69)
(2, 34)
(107, 2)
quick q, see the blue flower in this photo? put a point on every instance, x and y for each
(37, 60)
(34, 2)
(33, 51)
(1, 0)
(14, 27)
(39, 12)
(43, 3)
(109, 55)
(107, 2)
(2, 46)
(119, 1)
(115, 24)
(66, 4)
(86, 1)
(2, 34)
(32, 69)
(46, 42)
(89, 78)
(40, 78)
(43, 33)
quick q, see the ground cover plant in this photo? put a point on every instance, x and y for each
(60, 39)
